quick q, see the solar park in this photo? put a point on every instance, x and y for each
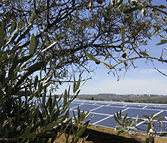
(103, 112)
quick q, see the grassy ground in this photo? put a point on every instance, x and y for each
(111, 137)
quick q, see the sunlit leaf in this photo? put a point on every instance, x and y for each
(123, 33)
(32, 17)
(146, 116)
(93, 58)
(108, 66)
(144, 53)
(13, 27)
(78, 84)
(50, 46)
(119, 3)
(107, 55)
(143, 11)
(162, 42)
(131, 10)
(32, 46)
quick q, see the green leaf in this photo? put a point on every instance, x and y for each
(81, 131)
(74, 85)
(50, 104)
(160, 6)
(65, 98)
(162, 42)
(125, 117)
(140, 120)
(148, 127)
(14, 65)
(123, 33)
(36, 81)
(163, 134)
(50, 46)
(19, 25)
(146, 116)
(106, 57)
(93, 58)
(54, 102)
(32, 17)
(77, 85)
(108, 66)
(36, 66)
(3, 33)
(43, 100)
(13, 27)
(130, 10)
(33, 95)
(147, 140)
(144, 54)
(13, 37)
(50, 126)
(121, 130)
(116, 117)
(166, 117)
(3, 57)
(32, 46)
(119, 3)
(26, 133)
(144, 11)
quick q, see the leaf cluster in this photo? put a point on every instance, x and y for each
(126, 123)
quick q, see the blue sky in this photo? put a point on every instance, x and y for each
(145, 79)
(142, 80)
(135, 81)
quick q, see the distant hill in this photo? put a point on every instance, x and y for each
(144, 98)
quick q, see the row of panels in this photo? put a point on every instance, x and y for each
(109, 122)
(125, 105)
(106, 110)
(102, 112)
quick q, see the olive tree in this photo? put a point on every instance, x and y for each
(157, 17)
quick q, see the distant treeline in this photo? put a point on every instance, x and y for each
(145, 98)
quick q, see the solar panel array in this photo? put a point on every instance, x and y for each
(103, 112)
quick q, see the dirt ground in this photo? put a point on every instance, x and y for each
(105, 135)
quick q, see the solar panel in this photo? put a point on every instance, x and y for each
(156, 107)
(135, 106)
(95, 117)
(157, 127)
(86, 107)
(140, 112)
(103, 112)
(108, 122)
(108, 110)
(73, 105)
(162, 115)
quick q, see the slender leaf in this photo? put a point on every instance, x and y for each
(50, 46)
(146, 116)
(107, 55)
(93, 58)
(108, 66)
(162, 42)
(32, 46)
(123, 33)
(144, 53)
(13, 26)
